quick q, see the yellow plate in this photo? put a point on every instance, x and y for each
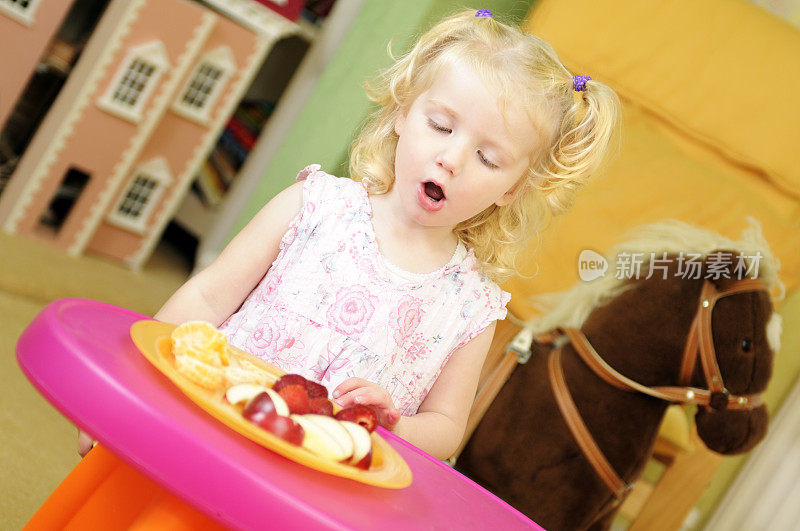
(388, 468)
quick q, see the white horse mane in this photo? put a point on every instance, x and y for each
(571, 308)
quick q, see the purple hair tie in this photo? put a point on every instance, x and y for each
(484, 13)
(579, 83)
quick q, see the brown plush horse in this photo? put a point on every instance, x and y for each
(529, 448)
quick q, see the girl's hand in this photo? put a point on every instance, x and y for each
(85, 443)
(360, 391)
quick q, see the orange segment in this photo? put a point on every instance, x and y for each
(202, 374)
(202, 341)
(242, 371)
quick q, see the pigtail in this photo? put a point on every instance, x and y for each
(585, 132)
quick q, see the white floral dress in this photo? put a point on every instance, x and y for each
(331, 307)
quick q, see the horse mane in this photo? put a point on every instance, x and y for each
(572, 307)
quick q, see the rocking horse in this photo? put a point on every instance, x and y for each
(573, 428)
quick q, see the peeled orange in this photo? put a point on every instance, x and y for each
(202, 374)
(201, 341)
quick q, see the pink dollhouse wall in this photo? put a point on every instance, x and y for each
(21, 47)
(176, 139)
(98, 139)
(79, 134)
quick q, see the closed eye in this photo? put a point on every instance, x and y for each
(487, 162)
(438, 127)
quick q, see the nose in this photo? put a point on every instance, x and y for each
(451, 156)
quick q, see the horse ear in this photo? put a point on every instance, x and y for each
(731, 432)
(724, 267)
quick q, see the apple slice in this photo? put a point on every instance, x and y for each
(362, 444)
(281, 407)
(319, 441)
(265, 403)
(335, 428)
(243, 392)
(284, 427)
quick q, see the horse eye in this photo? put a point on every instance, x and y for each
(747, 345)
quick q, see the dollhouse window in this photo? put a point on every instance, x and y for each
(197, 97)
(135, 81)
(142, 194)
(20, 10)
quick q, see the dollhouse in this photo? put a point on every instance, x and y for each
(143, 107)
(25, 31)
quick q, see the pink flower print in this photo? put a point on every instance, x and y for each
(266, 291)
(406, 318)
(329, 364)
(269, 338)
(352, 309)
(366, 265)
(414, 350)
(311, 206)
(308, 170)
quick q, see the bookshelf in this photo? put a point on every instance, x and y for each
(205, 206)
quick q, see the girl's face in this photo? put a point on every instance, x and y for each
(457, 153)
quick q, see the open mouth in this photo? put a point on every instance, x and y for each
(434, 191)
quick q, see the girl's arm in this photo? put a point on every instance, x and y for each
(441, 420)
(218, 290)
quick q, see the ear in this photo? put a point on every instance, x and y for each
(505, 199)
(512, 192)
(399, 121)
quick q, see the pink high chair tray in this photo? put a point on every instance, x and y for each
(80, 356)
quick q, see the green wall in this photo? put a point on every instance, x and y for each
(338, 105)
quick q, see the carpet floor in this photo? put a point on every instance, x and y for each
(37, 444)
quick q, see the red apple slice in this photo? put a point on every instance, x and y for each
(284, 427)
(335, 428)
(319, 441)
(263, 404)
(281, 407)
(243, 392)
(362, 444)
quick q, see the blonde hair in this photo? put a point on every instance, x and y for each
(571, 308)
(575, 132)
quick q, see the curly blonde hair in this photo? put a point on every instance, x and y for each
(575, 131)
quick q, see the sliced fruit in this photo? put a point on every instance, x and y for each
(289, 379)
(281, 407)
(263, 405)
(284, 427)
(203, 374)
(362, 444)
(319, 441)
(321, 406)
(243, 392)
(296, 398)
(339, 432)
(316, 390)
(241, 370)
(360, 414)
(201, 340)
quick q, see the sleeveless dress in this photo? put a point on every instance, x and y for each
(331, 307)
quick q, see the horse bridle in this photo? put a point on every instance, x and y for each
(699, 339)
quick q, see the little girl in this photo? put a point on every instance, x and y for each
(383, 287)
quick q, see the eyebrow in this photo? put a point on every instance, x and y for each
(504, 152)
